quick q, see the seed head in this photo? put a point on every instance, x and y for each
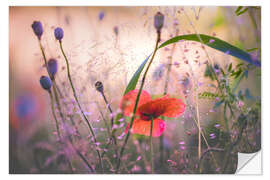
(99, 86)
(59, 33)
(158, 21)
(52, 67)
(45, 82)
(37, 28)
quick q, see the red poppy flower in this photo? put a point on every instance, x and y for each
(147, 109)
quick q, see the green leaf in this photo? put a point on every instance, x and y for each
(134, 80)
(230, 68)
(238, 9)
(242, 12)
(214, 43)
(236, 82)
(210, 41)
(252, 49)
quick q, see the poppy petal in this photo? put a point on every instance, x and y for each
(170, 107)
(144, 127)
(128, 101)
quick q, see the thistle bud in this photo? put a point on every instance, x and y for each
(37, 28)
(59, 33)
(45, 82)
(52, 67)
(158, 21)
(99, 86)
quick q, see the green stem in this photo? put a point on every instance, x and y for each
(136, 103)
(59, 107)
(44, 58)
(225, 118)
(113, 138)
(54, 115)
(57, 126)
(109, 107)
(161, 138)
(151, 147)
(57, 101)
(52, 78)
(76, 98)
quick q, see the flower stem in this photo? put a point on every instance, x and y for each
(109, 107)
(151, 147)
(136, 103)
(113, 138)
(76, 98)
(169, 66)
(59, 108)
(54, 115)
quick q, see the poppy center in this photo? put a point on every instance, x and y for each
(147, 117)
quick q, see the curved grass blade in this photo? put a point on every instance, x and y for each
(133, 82)
(217, 44)
(210, 41)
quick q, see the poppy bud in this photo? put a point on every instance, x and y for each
(158, 21)
(52, 67)
(37, 28)
(59, 33)
(99, 86)
(45, 82)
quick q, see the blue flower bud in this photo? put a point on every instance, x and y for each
(45, 82)
(59, 33)
(37, 28)
(101, 15)
(158, 21)
(52, 67)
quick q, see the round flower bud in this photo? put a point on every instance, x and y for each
(59, 33)
(101, 15)
(45, 82)
(158, 21)
(37, 28)
(99, 86)
(52, 67)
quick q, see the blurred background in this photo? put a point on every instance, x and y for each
(108, 44)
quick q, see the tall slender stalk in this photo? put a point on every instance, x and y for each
(76, 98)
(112, 122)
(165, 92)
(52, 78)
(136, 103)
(54, 115)
(151, 147)
(216, 78)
